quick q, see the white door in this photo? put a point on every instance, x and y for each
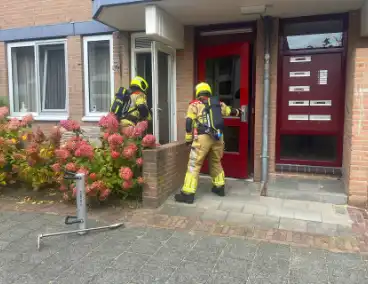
(163, 92)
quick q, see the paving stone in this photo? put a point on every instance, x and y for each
(240, 218)
(190, 212)
(269, 275)
(130, 261)
(268, 253)
(308, 215)
(168, 209)
(270, 201)
(211, 244)
(112, 276)
(202, 256)
(293, 225)
(281, 212)
(295, 204)
(208, 203)
(321, 228)
(240, 249)
(146, 246)
(232, 206)
(336, 219)
(253, 208)
(236, 268)
(191, 272)
(152, 274)
(266, 222)
(214, 215)
(167, 257)
(220, 278)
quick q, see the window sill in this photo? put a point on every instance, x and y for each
(92, 118)
(56, 118)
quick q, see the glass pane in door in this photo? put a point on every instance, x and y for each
(144, 69)
(164, 92)
(223, 74)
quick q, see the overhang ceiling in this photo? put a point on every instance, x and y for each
(129, 15)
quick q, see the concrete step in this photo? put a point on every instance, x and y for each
(318, 190)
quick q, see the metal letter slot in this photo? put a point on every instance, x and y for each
(244, 113)
(299, 88)
(298, 103)
(321, 103)
(297, 59)
(299, 74)
(320, 117)
(298, 117)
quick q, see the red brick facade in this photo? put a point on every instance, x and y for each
(164, 167)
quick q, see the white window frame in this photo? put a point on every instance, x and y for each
(95, 116)
(41, 115)
(152, 50)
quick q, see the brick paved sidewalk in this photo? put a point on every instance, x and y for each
(143, 255)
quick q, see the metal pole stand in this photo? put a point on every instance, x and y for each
(81, 218)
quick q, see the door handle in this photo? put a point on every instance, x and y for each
(244, 113)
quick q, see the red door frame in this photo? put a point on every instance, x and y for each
(343, 50)
(235, 164)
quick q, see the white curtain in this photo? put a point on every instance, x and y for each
(99, 76)
(52, 77)
(24, 79)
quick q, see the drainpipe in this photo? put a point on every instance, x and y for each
(266, 101)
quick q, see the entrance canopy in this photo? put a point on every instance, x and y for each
(129, 15)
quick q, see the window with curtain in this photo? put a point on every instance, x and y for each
(38, 78)
(98, 74)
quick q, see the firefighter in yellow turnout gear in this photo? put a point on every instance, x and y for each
(208, 141)
(130, 106)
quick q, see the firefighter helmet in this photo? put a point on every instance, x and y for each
(140, 83)
(203, 89)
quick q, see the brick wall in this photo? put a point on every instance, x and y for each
(3, 71)
(259, 98)
(185, 80)
(355, 163)
(164, 171)
(21, 13)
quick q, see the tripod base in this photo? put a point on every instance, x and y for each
(80, 232)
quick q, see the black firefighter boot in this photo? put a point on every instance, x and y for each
(220, 191)
(184, 198)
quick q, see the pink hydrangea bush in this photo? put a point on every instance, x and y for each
(115, 168)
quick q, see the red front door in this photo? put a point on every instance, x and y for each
(226, 69)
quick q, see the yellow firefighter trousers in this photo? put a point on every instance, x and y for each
(202, 146)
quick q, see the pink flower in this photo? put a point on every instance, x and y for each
(63, 187)
(139, 162)
(109, 122)
(143, 125)
(71, 167)
(4, 111)
(83, 170)
(56, 135)
(98, 186)
(93, 176)
(70, 125)
(104, 194)
(13, 124)
(128, 184)
(115, 154)
(128, 131)
(106, 136)
(26, 120)
(56, 167)
(128, 152)
(126, 173)
(84, 150)
(149, 141)
(140, 180)
(62, 154)
(39, 137)
(116, 140)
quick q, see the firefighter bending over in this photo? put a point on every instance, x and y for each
(205, 119)
(130, 106)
